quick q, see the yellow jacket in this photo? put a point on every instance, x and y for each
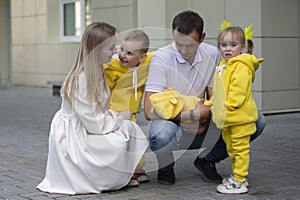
(232, 101)
(120, 79)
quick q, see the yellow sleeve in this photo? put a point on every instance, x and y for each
(207, 102)
(111, 74)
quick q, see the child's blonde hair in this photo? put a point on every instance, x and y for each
(140, 36)
(89, 61)
(238, 34)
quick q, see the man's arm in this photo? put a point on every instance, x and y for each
(149, 113)
(200, 118)
(199, 114)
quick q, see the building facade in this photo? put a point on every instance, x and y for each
(39, 39)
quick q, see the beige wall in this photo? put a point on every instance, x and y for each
(280, 47)
(38, 56)
(120, 13)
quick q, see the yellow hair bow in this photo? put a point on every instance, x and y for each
(225, 24)
(248, 32)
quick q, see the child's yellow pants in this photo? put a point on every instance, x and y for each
(141, 163)
(237, 139)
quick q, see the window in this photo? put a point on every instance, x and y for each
(75, 15)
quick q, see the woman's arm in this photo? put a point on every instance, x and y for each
(94, 119)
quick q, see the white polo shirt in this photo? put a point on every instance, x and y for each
(169, 70)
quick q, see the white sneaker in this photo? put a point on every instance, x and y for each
(225, 180)
(232, 187)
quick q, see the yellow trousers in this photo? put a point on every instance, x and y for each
(237, 139)
(141, 163)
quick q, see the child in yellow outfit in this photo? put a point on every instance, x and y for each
(126, 76)
(233, 107)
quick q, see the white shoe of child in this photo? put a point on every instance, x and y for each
(232, 187)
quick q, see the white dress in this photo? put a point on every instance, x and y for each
(91, 150)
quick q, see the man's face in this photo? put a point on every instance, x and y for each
(187, 45)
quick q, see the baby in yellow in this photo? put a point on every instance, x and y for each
(126, 76)
(233, 107)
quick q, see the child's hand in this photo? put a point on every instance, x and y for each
(126, 114)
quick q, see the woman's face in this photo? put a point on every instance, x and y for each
(108, 50)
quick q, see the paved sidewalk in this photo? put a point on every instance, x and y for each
(25, 116)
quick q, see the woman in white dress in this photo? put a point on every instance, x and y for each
(91, 149)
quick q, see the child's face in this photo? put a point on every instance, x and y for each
(230, 46)
(130, 53)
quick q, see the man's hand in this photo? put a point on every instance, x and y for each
(202, 112)
(202, 116)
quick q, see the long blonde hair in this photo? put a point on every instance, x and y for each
(89, 61)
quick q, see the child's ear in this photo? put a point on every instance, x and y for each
(244, 49)
(143, 57)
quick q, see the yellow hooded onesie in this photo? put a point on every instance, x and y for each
(234, 109)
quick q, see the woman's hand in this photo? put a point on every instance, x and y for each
(126, 115)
